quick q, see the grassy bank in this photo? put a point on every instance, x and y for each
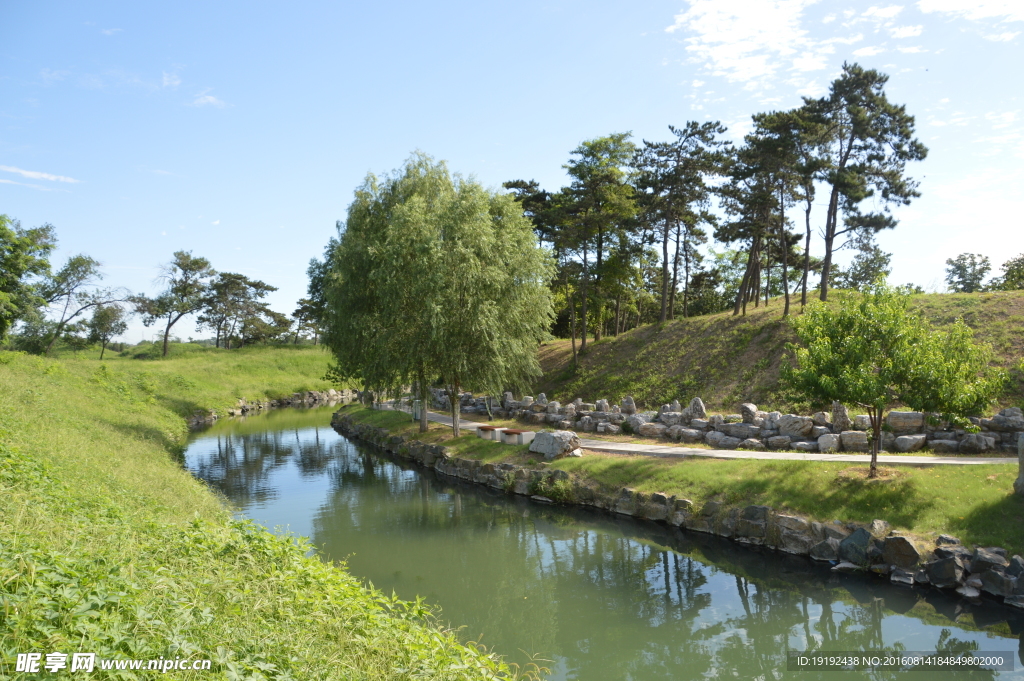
(975, 503)
(728, 360)
(108, 546)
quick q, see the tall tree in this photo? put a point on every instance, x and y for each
(24, 256)
(186, 277)
(72, 291)
(966, 272)
(868, 142)
(1012, 278)
(870, 350)
(230, 302)
(598, 203)
(433, 275)
(672, 180)
(108, 322)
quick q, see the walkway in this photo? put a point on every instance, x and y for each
(669, 451)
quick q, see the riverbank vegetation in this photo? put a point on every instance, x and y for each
(972, 502)
(108, 545)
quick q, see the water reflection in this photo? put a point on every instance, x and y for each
(602, 597)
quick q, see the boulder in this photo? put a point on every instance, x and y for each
(779, 442)
(542, 400)
(898, 576)
(902, 422)
(910, 443)
(987, 559)
(899, 551)
(700, 424)
(820, 418)
(947, 540)
(818, 431)
(855, 547)
(675, 406)
(635, 421)
(612, 429)
(945, 572)
(556, 445)
(854, 441)
(797, 543)
(829, 443)
(826, 550)
(720, 440)
(997, 583)
(840, 418)
(587, 425)
(601, 405)
(697, 409)
(690, 435)
(748, 412)
(740, 430)
(1006, 423)
(628, 405)
(652, 430)
(1018, 484)
(976, 443)
(795, 426)
(862, 422)
(554, 406)
(670, 418)
(804, 445)
(1016, 567)
(944, 446)
(752, 444)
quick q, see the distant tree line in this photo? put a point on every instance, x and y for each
(41, 308)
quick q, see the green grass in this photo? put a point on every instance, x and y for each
(975, 503)
(107, 545)
(728, 360)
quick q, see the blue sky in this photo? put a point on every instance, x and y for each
(239, 130)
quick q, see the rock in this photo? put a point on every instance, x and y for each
(944, 446)
(899, 551)
(818, 431)
(1015, 601)
(1016, 567)
(947, 540)
(846, 566)
(854, 441)
(910, 443)
(732, 418)
(537, 418)
(862, 422)
(905, 421)
(795, 426)
(820, 418)
(921, 577)
(675, 406)
(628, 405)
(652, 430)
(829, 443)
(720, 440)
(881, 569)
(670, 418)
(900, 576)
(997, 583)
(945, 572)
(553, 407)
(565, 424)
(697, 409)
(612, 429)
(752, 444)
(986, 559)
(826, 550)
(748, 412)
(542, 400)
(804, 446)
(968, 592)
(601, 405)
(855, 547)
(700, 424)
(690, 435)
(1006, 424)
(796, 543)
(840, 418)
(587, 425)
(555, 445)
(878, 528)
(740, 430)
(635, 421)
(1018, 484)
(793, 523)
(779, 442)
(976, 443)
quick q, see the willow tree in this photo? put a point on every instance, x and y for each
(434, 276)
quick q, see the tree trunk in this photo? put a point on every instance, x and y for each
(675, 279)
(103, 348)
(876, 438)
(664, 273)
(423, 390)
(454, 401)
(583, 312)
(686, 278)
(618, 300)
(807, 252)
(785, 252)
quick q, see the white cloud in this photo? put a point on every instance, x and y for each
(1002, 37)
(110, 31)
(36, 175)
(217, 222)
(944, 100)
(829, 19)
(869, 51)
(1006, 10)
(698, 83)
(203, 99)
(171, 80)
(1001, 120)
(906, 31)
(883, 12)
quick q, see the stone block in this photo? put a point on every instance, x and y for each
(670, 418)
(862, 422)
(740, 430)
(690, 435)
(945, 572)
(748, 412)
(829, 443)
(656, 430)
(901, 552)
(944, 446)
(987, 559)
(997, 583)
(910, 443)
(752, 444)
(628, 405)
(976, 443)
(903, 422)
(697, 409)
(779, 442)
(854, 441)
(795, 426)
(855, 547)
(720, 440)
(804, 446)
(825, 550)
(555, 445)
(818, 431)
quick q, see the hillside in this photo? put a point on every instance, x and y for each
(727, 360)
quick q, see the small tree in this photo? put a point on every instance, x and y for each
(107, 322)
(1013, 275)
(870, 350)
(966, 272)
(186, 276)
(24, 254)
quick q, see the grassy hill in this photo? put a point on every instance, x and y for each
(727, 360)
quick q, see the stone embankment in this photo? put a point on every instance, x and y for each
(873, 549)
(309, 398)
(903, 431)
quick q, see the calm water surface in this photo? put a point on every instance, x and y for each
(598, 596)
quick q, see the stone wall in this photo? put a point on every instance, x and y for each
(835, 431)
(872, 549)
(309, 398)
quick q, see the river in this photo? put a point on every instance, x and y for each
(589, 595)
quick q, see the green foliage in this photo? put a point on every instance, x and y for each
(966, 273)
(24, 256)
(1012, 278)
(186, 277)
(870, 264)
